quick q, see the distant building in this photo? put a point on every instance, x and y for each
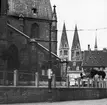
(80, 60)
(76, 53)
(74, 66)
(96, 59)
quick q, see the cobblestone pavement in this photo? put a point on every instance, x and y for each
(82, 102)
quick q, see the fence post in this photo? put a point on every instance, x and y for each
(102, 83)
(15, 77)
(53, 81)
(99, 83)
(67, 81)
(92, 83)
(88, 83)
(105, 84)
(36, 79)
(78, 82)
(96, 83)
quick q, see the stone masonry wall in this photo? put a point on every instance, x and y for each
(33, 94)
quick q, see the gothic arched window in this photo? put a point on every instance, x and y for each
(35, 30)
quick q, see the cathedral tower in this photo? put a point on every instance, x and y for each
(64, 51)
(64, 46)
(76, 48)
(76, 54)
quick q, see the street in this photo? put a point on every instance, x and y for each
(81, 102)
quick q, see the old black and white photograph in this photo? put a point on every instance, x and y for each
(53, 52)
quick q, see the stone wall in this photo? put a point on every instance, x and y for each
(32, 94)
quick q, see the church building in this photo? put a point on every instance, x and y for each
(76, 53)
(72, 68)
(25, 45)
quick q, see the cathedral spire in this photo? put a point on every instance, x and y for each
(54, 11)
(64, 40)
(76, 48)
(64, 46)
(76, 42)
(95, 47)
(54, 17)
(54, 29)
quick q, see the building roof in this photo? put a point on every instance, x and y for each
(95, 59)
(64, 39)
(76, 42)
(43, 8)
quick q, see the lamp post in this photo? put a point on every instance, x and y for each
(50, 62)
(52, 23)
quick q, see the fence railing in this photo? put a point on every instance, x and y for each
(17, 78)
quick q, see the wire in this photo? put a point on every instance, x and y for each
(97, 29)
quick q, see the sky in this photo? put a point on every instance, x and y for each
(87, 14)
